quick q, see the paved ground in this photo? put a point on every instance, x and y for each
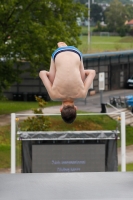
(92, 104)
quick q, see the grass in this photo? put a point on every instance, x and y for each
(7, 107)
(104, 43)
(129, 167)
(5, 146)
(83, 123)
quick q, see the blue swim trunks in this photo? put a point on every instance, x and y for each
(66, 48)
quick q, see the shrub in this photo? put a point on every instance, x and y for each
(131, 32)
(3, 97)
(38, 122)
(121, 31)
(100, 28)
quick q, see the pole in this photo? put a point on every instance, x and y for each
(101, 96)
(89, 40)
(123, 143)
(13, 143)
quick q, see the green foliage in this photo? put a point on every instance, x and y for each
(129, 12)
(81, 1)
(131, 32)
(38, 122)
(123, 30)
(29, 32)
(100, 28)
(96, 12)
(3, 97)
(115, 16)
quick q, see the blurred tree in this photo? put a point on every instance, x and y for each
(115, 16)
(81, 1)
(30, 30)
(86, 1)
(96, 12)
(129, 12)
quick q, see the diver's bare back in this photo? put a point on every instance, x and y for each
(68, 82)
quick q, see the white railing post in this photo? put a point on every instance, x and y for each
(13, 143)
(123, 143)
